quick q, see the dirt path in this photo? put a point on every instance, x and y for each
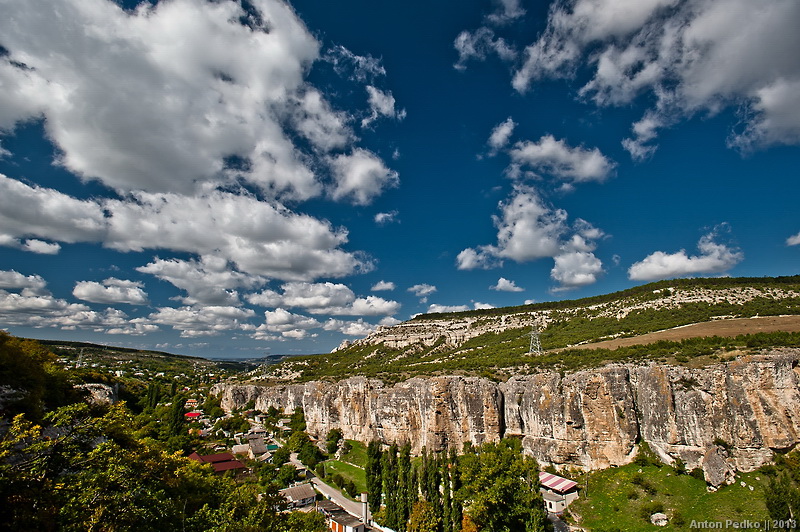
(727, 328)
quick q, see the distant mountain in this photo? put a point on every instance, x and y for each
(497, 343)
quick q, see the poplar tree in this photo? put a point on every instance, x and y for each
(374, 475)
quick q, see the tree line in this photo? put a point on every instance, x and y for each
(491, 487)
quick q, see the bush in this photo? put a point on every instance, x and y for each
(650, 508)
(698, 474)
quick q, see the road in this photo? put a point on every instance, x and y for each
(351, 507)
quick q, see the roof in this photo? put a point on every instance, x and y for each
(556, 483)
(258, 446)
(240, 449)
(329, 506)
(299, 493)
(221, 462)
(344, 518)
(193, 414)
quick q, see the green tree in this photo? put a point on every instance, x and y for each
(332, 440)
(500, 488)
(423, 518)
(374, 475)
(297, 420)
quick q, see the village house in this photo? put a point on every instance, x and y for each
(221, 462)
(557, 492)
(299, 496)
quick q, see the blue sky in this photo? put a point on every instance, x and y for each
(235, 179)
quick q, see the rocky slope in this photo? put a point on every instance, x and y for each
(453, 330)
(725, 417)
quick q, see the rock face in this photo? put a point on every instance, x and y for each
(725, 417)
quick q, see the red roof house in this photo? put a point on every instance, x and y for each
(558, 492)
(221, 462)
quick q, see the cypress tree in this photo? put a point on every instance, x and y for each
(374, 475)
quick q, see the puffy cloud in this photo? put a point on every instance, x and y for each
(109, 92)
(39, 246)
(26, 284)
(422, 290)
(358, 328)
(360, 176)
(383, 218)
(210, 281)
(381, 104)
(693, 56)
(574, 269)
(504, 285)
(500, 135)
(259, 238)
(317, 297)
(382, 286)
(194, 322)
(265, 298)
(556, 158)
(287, 324)
(371, 306)
(482, 257)
(713, 258)
(111, 291)
(325, 298)
(34, 307)
(46, 213)
(793, 240)
(527, 230)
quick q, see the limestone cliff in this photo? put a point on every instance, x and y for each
(722, 417)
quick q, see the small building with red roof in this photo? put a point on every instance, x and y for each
(221, 462)
(557, 492)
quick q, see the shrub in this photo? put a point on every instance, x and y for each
(650, 508)
(698, 474)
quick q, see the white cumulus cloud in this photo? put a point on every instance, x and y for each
(422, 290)
(556, 158)
(505, 285)
(111, 291)
(383, 286)
(714, 257)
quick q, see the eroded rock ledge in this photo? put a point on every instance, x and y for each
(725, 417)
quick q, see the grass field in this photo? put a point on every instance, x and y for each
(623, 498)
(348, 471)
(357, 455)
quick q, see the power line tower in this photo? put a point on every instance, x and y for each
(536, 345)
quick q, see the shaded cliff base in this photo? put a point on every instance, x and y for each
(723, 418)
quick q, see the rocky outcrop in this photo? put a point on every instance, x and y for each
(725, 417)
(98, 394)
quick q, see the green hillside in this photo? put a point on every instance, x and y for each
(570, 325)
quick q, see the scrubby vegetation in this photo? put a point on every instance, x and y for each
(570, 325)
